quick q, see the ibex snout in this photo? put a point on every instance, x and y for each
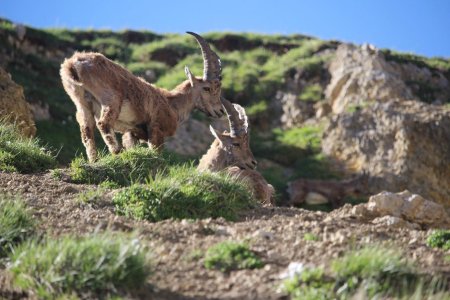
(252, 165)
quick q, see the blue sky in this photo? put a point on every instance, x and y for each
(421, 27)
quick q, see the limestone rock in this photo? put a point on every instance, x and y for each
(403, 145)
(409, 207)
(360, 75)
(13, 107)
(193, 137)
(394, 222)
(295, 111)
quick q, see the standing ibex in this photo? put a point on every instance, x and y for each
(326, 191)
(231, 152)
(108, 95)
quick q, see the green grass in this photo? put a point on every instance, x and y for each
(305, 137)
(64, 137)
(421, 61)
(175, 75)
(257, 108)
(16, 223)
(184, 193)
(297, 148)
(229, 256)
(89, 266)
(169, 50)
(92, 196)
(439, 239)
(113, 48)
(20, 154)
(310, 237)
(134, 165)
(312, 92)
(139, 68)
(376, 271)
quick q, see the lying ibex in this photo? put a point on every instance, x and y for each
(108, 95)
(326, 191)
(231, 152)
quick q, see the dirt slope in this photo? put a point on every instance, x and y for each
(178, 273)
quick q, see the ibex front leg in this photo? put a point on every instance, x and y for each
(105, 125)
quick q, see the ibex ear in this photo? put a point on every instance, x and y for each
(215, 133)
(189, 75)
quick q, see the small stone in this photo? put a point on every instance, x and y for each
(293, 269)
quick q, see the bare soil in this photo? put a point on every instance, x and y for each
(276, 234)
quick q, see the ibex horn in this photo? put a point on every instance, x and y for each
(212, 67)
(236, 117)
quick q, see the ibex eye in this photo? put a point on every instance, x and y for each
(236, 144)
(206, 89)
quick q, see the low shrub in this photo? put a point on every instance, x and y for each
(21, 154)
(184, 193)
(375, 271)
(228, 256)
(439, 239)
(16, 223)
(133, 165)
(88, 266)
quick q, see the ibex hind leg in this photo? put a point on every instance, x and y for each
(105, 125)
(129, 140)
(155, 137)
(85, 118)
(134, 136)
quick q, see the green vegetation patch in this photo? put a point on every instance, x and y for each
(376, 271)
(169, 50)
(69, 265)
(184, 193)
(310, 237)
(312, 92)
(229, 256)
(133, 165)
(21, 154)
(92, 196)
(305, 137)
(112, 48)
(257, 108)
(421, 61)
(139, 68)
(16, 223)
(439, 239)
(297, 148)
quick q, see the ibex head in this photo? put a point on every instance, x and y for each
(235, 143)
(206, 91)
(359, 185)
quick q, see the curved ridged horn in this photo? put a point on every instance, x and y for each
(212, 67)
(236, 117)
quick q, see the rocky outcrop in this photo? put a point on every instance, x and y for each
(403, 209)
(403, 145)
(193, 137)
(13, 107)
(294, 111)
(360, 75)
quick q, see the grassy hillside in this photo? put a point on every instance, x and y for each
(255, 67)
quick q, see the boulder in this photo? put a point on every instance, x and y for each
(193, 137)
(295, 111)
(13, 107)
(403, 145)
(360, 75)
(406, 206)
(394, 222)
